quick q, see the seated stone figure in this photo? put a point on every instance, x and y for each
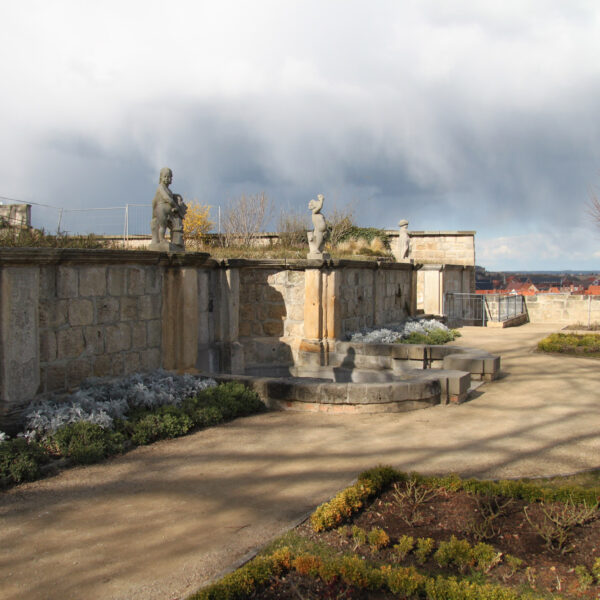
(316, 238)
(168, 212)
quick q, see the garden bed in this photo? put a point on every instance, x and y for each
(397, 536)
(583, 345)
(109, 417)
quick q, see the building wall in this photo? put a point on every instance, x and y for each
(563, 308)
(443, 247)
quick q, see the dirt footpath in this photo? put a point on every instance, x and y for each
(163, 520)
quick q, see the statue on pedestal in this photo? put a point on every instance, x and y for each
(168, 212)
(402, 249)
(317, 238)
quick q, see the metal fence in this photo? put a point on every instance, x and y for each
(478, 309)
(467, 309)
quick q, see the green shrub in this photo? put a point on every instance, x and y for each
(513, 562)
(571, 343)
(436, 337)
(354, 232)
(596, 570)
(86, 443)
(359, 535)
(331, 514)
(355, 571)
(404, 546)
(584, 577)
(454, 553)
(425, 547)
(245, 581)
(378, 538)
(20, 460)
(485, 557)
(406, 582)
(222, 403)
(166, 422)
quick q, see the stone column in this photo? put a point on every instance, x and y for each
(19, 341)
(180, 318)
(433, 289)
(322, 323)
(227, 326)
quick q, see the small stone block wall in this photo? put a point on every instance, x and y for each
(563, 308)
(97, 320)
(443, 247)
(374, 297)
(271, 303)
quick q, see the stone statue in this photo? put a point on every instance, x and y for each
(402, 249)
(168, 211)
(316, 238)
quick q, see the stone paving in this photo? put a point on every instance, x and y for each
(164, 520)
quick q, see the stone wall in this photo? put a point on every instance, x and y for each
(433, 281)
(373, 297)
(97, 320)
(271, 302)
(66, 315)
(563, 308)
(443, 247)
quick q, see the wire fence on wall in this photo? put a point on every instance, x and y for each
(118, 221)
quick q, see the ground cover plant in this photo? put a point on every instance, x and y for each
(587, 345)
(106, 417)
(412, 331)
(399, 535)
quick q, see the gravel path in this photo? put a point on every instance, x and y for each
(163, 520)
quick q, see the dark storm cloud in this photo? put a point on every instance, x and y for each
(455, 115)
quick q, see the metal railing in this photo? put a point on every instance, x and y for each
(464, 308)
(478, 309)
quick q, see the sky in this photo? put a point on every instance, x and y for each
(472, 115)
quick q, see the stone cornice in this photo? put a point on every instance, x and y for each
(49, 256)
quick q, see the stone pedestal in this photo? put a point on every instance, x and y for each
(322, 325)
(318, 256)
(165, 247)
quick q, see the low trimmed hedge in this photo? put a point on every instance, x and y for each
(343, 505)
(353, 570)
(571, 343)
(86, 443)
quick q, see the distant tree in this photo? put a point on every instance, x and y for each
(292, 226)
(244, 218)
(196, 224)
(594, 209)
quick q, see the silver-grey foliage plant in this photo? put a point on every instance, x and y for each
(101, 401)
(389, 336)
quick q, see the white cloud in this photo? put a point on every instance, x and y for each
(461, 114)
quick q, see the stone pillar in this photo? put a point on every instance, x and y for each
(227, 326)
(19, 341)
(322, 322)
(180, 318)
(433, 289)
